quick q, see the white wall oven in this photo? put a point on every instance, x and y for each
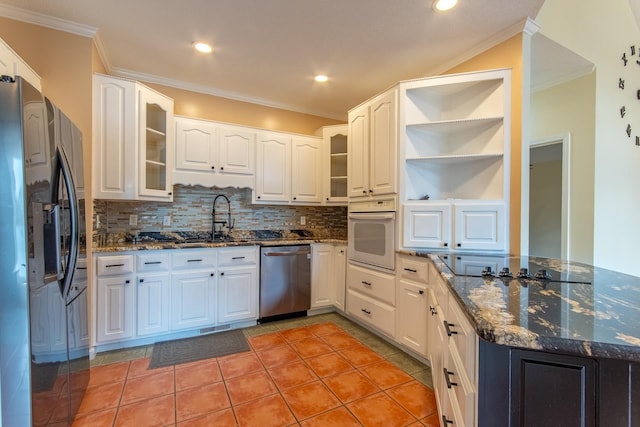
(372, 233)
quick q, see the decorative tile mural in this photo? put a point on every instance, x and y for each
(191, 210)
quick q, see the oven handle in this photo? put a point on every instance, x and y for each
(372, 216)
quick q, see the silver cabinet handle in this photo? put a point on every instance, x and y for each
(448, 326)
(152, 262)
(194, 260)
(114, 265)
(446, 377)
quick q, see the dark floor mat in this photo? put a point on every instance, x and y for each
(198, 348)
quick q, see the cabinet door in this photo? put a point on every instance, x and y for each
(480, 226)
(547, 387)
(152, 304)
(36, 138)
(339, 276)
(115, 320)
(412, 316)
(427, 225)
(306, 170)
(114, 125)
(335, 165)
(196, 145)
(321, 268)
(358, 152)
(71, 138)
(155, 141)
(79, 315)
(192, 300)
(238, 294)
(382, 144)
(237, 151)
(273, 168)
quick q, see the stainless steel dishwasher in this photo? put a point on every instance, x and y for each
(285, 281)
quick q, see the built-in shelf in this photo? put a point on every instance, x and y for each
(454, 159)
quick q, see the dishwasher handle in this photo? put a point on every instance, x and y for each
(302, 252)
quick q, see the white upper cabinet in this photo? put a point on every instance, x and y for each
(273, 168)
(210, 153)
(288, 169)
(372, 147)
(454, 150)
(12, 65)
(306, 170)
(335, 142)
(133, 141)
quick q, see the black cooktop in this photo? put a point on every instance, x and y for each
(514, 267)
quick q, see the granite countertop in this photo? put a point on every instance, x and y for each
(186, 240)
(599, 319)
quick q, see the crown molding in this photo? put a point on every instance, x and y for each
(42, 20)
(483, 46)
(588, 69)
(207, 90)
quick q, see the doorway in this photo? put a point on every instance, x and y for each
(549, 197)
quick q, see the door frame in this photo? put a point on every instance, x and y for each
(565, 140)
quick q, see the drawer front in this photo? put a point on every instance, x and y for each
(152, 261)
(238, 256)
(114, 265)
(373, 284)
(414, 268)
(193, 259)
(379, 315)
(462, 392)
(463, 337)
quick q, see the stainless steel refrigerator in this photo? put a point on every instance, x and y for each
(44, 326)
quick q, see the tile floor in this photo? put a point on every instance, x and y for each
(314, 371)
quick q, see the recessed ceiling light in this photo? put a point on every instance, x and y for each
(321, 78)
(202, 47)
(442, 5)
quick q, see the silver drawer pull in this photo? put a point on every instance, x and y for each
(365, 311)
(446, 377)
(152, 262)
(114, 265)
(366, 283)
(448, 326)
(194, 260)
(238, 257)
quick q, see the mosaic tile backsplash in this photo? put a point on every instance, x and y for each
(191, 211)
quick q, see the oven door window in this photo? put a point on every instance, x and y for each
(369, 238)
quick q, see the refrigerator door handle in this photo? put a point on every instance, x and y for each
(73, 213)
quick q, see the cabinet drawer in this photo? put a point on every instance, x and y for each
(414, 268)
(373, 283)
(461, 391)
(463, 337)
(238, 256)
(150, 262)
(187, 259)
(379, 315)
(113, 265)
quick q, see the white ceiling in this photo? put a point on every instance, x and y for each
(267, 51)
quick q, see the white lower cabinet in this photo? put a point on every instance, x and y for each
(115, 310)
(371, 297)
(237, 294)
(412, 316)
(153, 294)
(452, 353)
(192, 300)
(328, 275)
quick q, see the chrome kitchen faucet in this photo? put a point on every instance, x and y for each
(229, 223)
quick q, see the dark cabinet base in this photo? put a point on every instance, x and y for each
(527, 388)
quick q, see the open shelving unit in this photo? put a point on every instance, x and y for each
(454, 133)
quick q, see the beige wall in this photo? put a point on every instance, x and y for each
(570, 108)
(210, 107)
(507, 54)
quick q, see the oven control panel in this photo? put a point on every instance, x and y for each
(384, 205)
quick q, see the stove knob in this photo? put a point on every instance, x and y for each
(542, 274)
(523, 273)
(505, 272)
(487, 272)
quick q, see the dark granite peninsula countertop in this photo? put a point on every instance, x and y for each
(598, 319)
(199, 239)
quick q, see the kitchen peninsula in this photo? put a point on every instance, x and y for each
(548, 353)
